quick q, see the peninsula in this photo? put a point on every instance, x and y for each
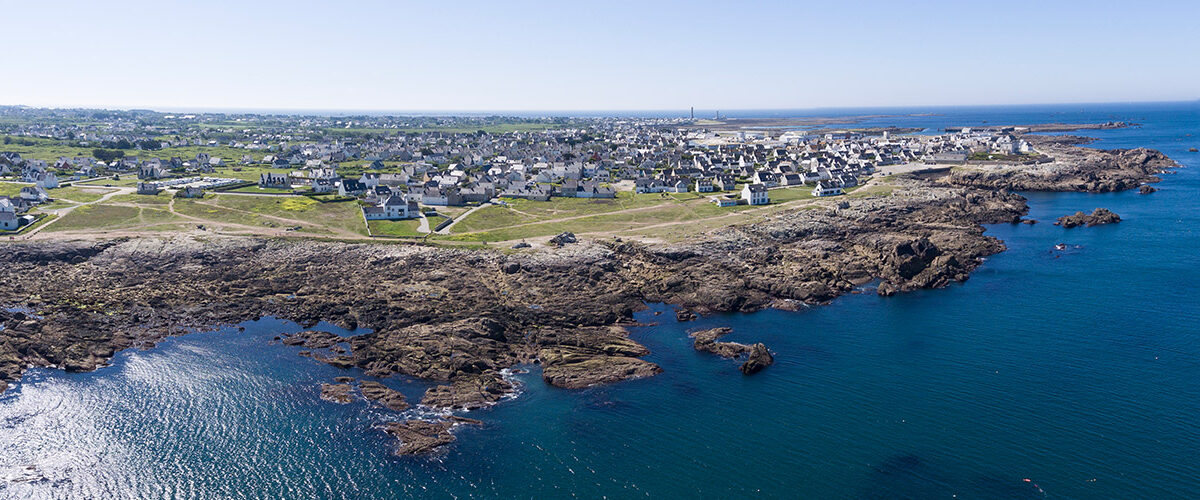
(436, 235)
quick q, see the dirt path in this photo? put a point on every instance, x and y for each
(59, 213)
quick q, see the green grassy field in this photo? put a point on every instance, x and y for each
(12, 188)
(397, 228)
(628, 213)
(83, 193)
(277, 212)
(50, 150)
(521, 211)
(142, 199)
(103, 216)
(128, 180)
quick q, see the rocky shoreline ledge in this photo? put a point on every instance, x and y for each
(1073, 169)
(460, 317)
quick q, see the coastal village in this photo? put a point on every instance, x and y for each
(396, 174)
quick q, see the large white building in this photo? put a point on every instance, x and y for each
(393, 208)
(756, 194)
(8, 216)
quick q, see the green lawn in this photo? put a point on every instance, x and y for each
(790, 194)
(533, 219)
(142, 199)
(127, 180)
(400, 228)
(521, 211)
(79, 194)
(97, 217)
(12, 188)
(277, 212)
(50, 150)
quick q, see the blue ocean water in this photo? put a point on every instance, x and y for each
(1049, 374)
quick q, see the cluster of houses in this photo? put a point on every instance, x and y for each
(396, 172)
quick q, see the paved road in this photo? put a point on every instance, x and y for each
(446, 230)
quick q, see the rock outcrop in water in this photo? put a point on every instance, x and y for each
(459, 317)
(423, 436)
(1097, 217)
(337, 393)
(384, 395)
(758, 356)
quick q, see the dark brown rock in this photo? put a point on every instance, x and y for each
(758, 358)
(1097, 217)
(468, 393)
(684, 315)
(337, 393)
(420, 436)
(384, 395)
(576, 368)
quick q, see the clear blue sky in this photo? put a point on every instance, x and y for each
(599, 55)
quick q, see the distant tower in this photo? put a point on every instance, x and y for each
(693, 112)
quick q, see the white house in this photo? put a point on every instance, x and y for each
(393, 208)
(271, 180)
(755, 194)
(825, 188)
(644, 185)
(370, 180)
(767, 179)
(351, 187)
(322, 186)
(47, 180)
(34, 194)
(8, 215)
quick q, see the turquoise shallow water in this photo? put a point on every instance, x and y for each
(1078, 370)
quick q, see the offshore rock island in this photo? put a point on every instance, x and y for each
(462, 316)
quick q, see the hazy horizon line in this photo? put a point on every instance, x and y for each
(557, 113)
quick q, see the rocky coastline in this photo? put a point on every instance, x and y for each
(1073, 169)
(460, 317)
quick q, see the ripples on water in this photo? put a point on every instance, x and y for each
(1078, 371)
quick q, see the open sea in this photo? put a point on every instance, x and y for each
(1049, 374)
